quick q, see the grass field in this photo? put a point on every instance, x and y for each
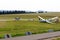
(58, 38)
(18, 28)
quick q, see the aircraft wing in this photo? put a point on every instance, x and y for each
(41, 18)
(51, 19)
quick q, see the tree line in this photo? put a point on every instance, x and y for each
(12, 12)
(18, 12)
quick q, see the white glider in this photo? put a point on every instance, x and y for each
(51, 20)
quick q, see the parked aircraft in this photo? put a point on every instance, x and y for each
(51, 20)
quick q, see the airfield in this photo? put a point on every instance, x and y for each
(44, 36)
(26, 23)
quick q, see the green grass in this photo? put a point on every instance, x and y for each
(18, 28)
(58, 38)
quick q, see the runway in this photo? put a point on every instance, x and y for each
(36, 36)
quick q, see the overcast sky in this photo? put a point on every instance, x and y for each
(33, 5)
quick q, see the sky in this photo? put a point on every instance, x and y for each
(30, 5)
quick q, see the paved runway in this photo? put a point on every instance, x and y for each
(36, 36)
